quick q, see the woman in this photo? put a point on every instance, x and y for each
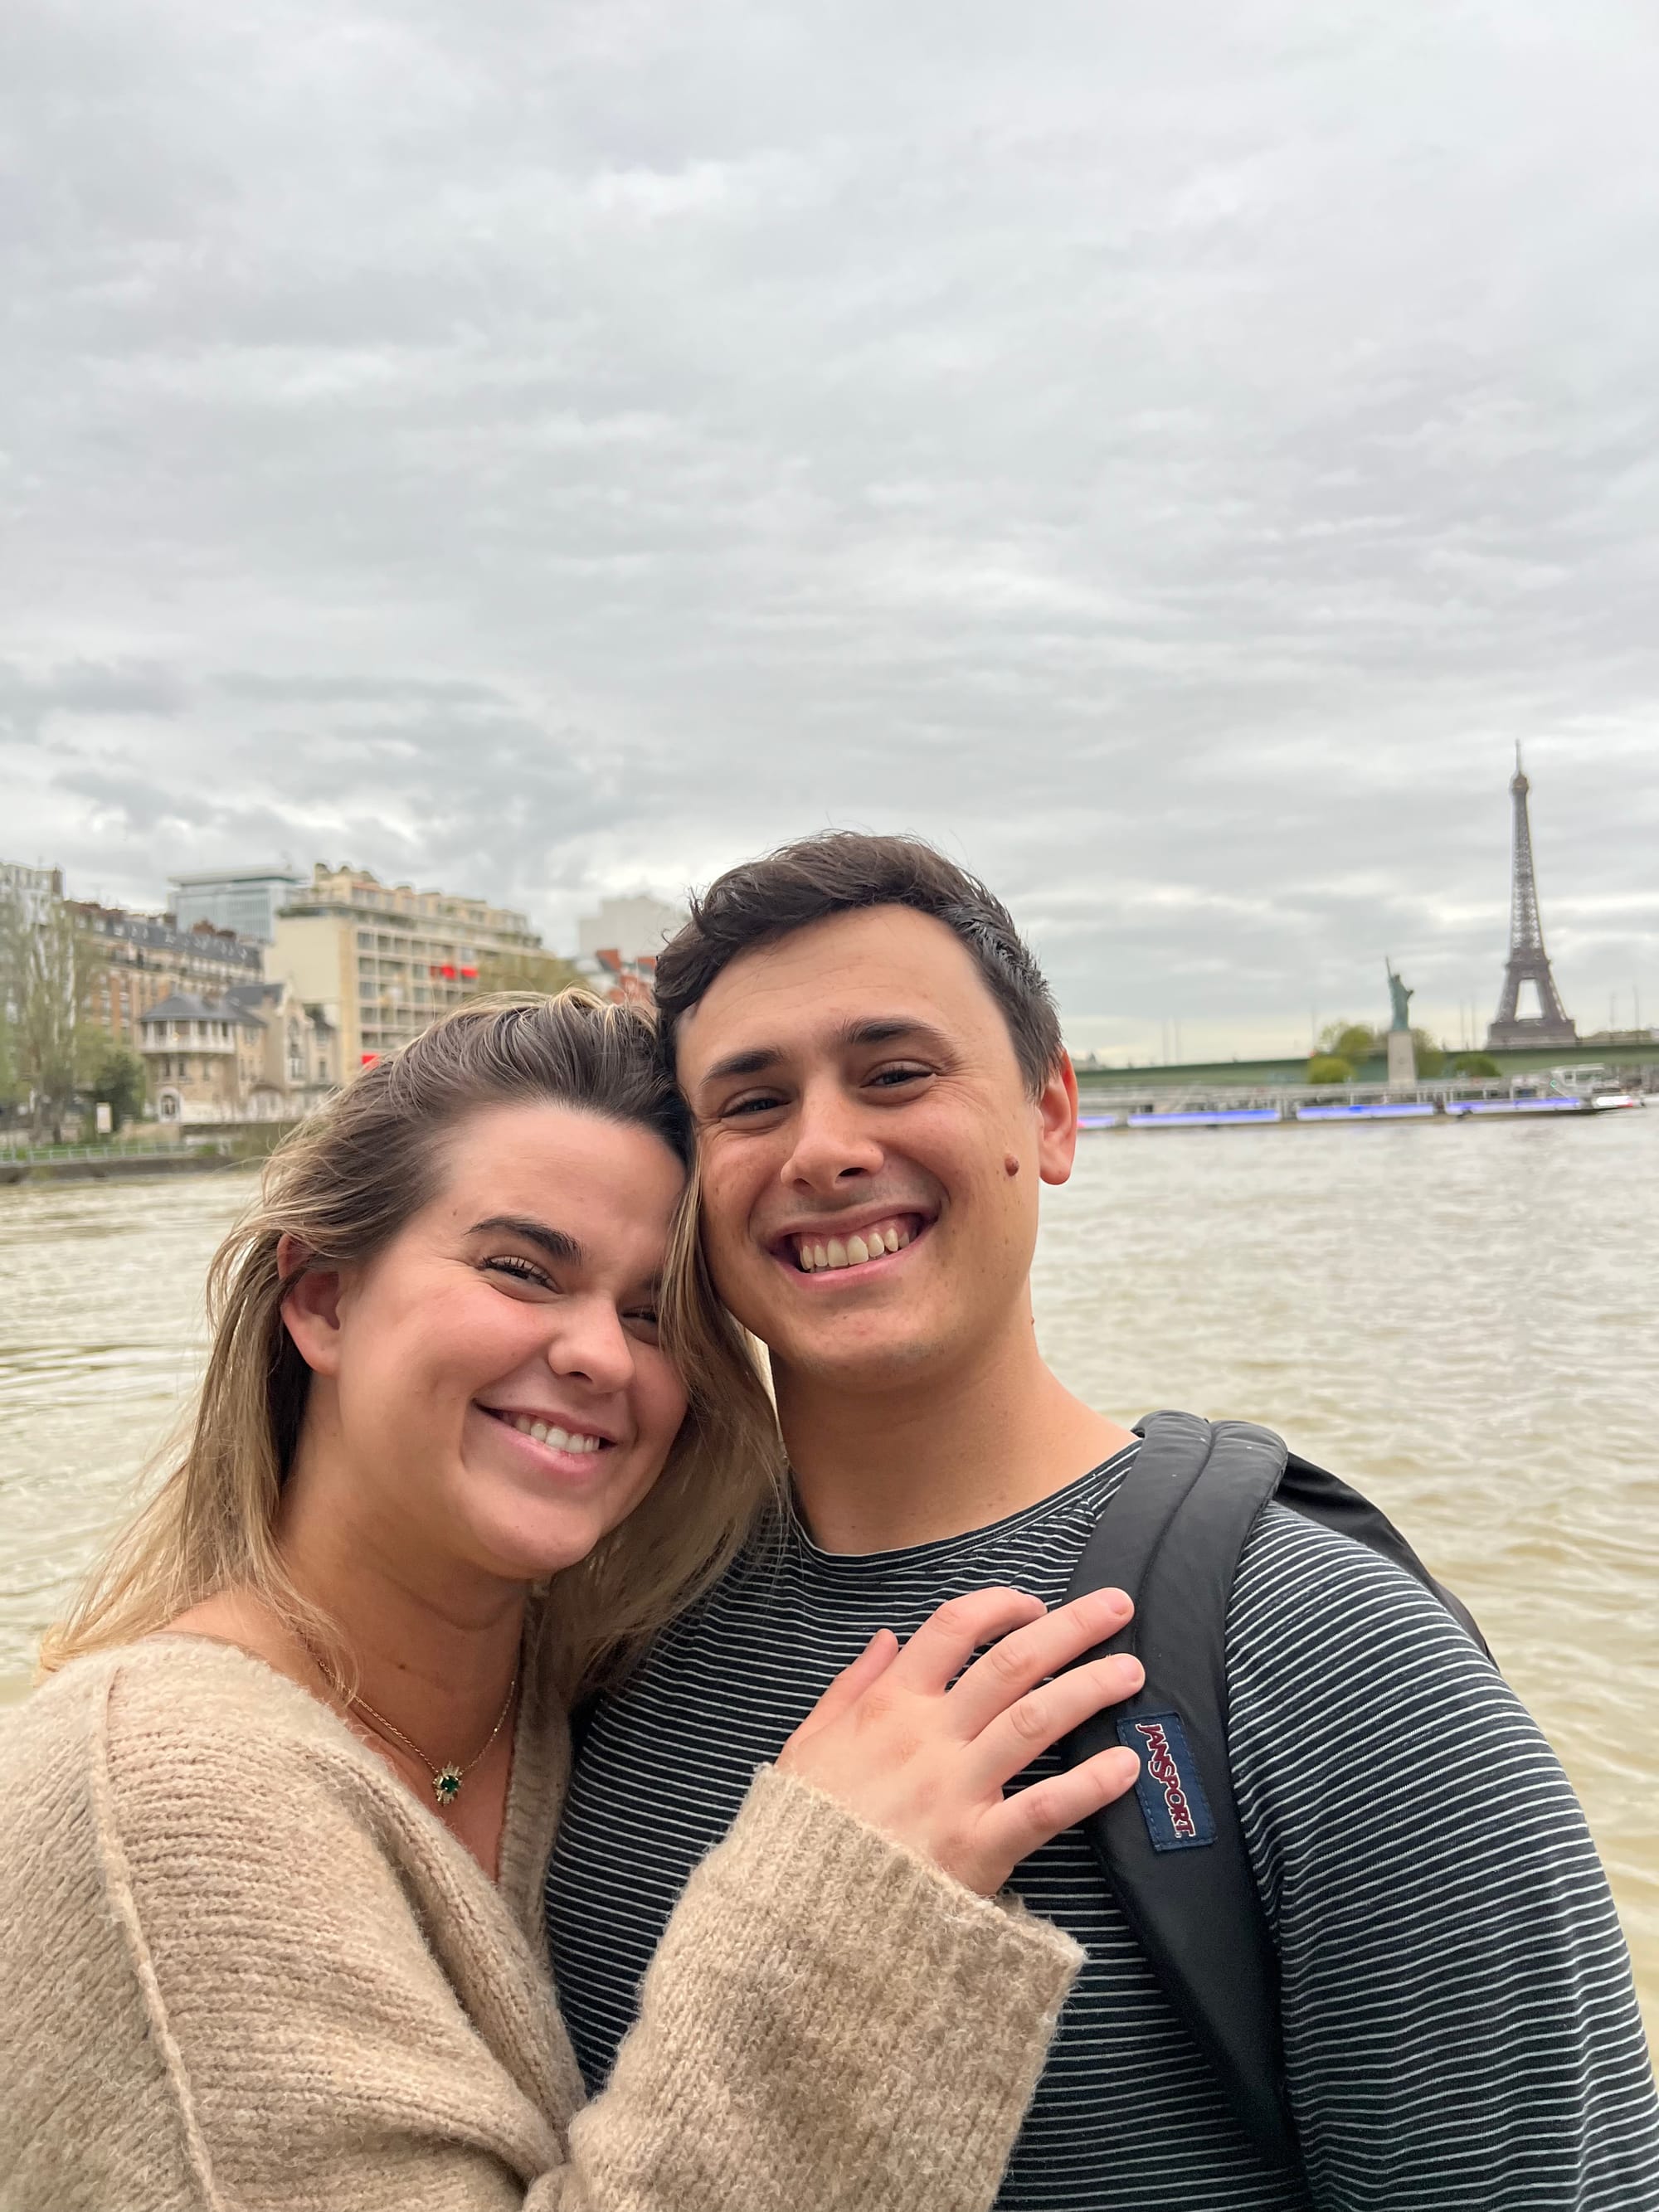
(273, 1834)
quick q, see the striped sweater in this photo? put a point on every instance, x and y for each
(1460, 2025)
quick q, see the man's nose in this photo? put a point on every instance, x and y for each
(832, 1142)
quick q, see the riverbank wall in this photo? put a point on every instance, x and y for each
(1635, 1064)
(113, 1167)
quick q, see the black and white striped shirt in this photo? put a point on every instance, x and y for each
(1460, 2025)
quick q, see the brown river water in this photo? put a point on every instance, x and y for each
(1465, 1320)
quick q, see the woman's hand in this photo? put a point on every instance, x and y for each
(899, 1739)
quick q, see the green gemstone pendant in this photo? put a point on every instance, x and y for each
(446, 1784)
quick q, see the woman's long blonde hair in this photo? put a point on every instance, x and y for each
(343, 1185)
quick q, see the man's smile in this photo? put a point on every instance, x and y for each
(846, 1242)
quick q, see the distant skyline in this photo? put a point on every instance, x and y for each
(1170, 460)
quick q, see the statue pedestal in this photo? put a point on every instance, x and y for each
(1402, 1059)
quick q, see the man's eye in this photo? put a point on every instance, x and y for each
(756, 1101)
(889, 1078)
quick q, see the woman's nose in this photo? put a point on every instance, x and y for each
(591, 1346)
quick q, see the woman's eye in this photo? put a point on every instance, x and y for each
(525, 1271)
(644, 1321)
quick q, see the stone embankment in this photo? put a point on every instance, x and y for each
(72, 1166)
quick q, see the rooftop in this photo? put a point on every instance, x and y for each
(186, 1006)
(279, 871)
(355, 890)
(159, 933)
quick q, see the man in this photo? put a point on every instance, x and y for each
(876, 1071)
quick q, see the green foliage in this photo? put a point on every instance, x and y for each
(46, 964)
(1431, 1056)
(1349, 1040)
(1355, 1044)
(11, 929)
(524, 971)
(1329, 1067)
(1476, 1063)
(113, 1075)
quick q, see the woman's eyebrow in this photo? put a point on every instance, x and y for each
(554, 1243)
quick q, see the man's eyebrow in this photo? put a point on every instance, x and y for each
(890, 1029)
(554, 1243)
(755, 1061)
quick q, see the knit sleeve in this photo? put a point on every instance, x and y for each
(853, 2029)
(1460, 2025)
(271, 1983)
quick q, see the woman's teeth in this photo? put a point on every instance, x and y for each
(557, 1439)
(868, 1244)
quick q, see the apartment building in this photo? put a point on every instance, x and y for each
(34, 892)
(299, 1057)
(202, 1055)
(256, 1053)
(382, 960)
(35, 889)
(246, 901)
(140, 959)
(616, 948)
(631, 927)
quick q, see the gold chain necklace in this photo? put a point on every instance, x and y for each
(447, 1780)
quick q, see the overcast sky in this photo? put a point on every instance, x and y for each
(1169, 456)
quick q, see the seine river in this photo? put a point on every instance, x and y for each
(1463, 1319)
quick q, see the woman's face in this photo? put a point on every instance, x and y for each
(490, 1386)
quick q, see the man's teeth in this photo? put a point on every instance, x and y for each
(868, 1244)
(558, 1439)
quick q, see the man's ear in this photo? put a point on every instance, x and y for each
(311, 1309)
(1057, 1121)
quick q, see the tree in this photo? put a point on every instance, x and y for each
(10, 1088)
(1476, 1063)
(1355, 1044)
(1349, 1040)
(544, 972)
(1431, 1056)
(113, 1075)
(46, 964)
(1329, 1067)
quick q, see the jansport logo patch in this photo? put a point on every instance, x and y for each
(1178, 1818)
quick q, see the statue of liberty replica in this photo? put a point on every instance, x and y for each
(1402, 1048)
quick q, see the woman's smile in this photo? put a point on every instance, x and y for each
(565, 1445)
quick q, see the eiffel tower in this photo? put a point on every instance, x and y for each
(1528, 963)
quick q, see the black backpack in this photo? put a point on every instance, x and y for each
(1172, 1850)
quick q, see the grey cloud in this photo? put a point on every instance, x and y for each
(85, 689)
(353, 690)
(444, 783)
(1170, 461)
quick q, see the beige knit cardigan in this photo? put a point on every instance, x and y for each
(241, 1966)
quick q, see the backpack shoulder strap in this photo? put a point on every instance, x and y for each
(1172, 1851)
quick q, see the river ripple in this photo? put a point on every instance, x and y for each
(1463, 1320)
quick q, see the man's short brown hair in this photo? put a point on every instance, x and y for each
(842, 872)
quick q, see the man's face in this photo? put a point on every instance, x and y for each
(870, 1149)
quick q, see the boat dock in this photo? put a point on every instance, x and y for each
(1572, 1093)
